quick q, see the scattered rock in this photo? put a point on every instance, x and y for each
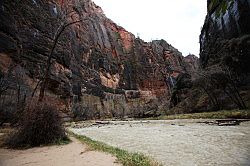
(224, 122)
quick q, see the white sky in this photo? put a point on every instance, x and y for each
(177, 21)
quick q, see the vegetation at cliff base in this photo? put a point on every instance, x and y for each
(224, 114)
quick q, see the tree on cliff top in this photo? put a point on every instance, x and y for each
(220, 6)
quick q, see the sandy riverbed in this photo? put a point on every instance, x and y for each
(179, 142)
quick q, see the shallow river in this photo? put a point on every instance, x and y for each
(178, 142)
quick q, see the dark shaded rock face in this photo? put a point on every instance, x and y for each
(225, 37)
(192, 63)
(225, 48)
(225, 42)
(99, 69)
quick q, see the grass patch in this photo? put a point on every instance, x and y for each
(123, 156)
(62, 141)
(224, 114)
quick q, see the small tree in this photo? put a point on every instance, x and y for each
(57, 35)
(227, 81)
(222, 79)
(40, 123)
(202, 81)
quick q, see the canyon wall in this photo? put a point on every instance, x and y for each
(223, 80)
(225, 42)
(225, 35)
(98, 68)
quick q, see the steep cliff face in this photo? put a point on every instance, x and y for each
(98, 69)
(192, 63)
(223, 79)
(225, 36)
(225, 50)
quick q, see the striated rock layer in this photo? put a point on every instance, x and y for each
(225, 35)
(225, 41)
(98, 69)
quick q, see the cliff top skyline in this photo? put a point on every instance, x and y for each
(178, 22)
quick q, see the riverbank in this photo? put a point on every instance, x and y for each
(223, 114)
(124, 157)
(73, 154)
(176, 142)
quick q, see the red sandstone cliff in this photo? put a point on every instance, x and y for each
(99, 69)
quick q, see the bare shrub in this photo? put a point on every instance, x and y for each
(40, 125)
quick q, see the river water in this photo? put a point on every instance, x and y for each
(178, 142)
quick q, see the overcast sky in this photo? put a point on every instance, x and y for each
(177, 21)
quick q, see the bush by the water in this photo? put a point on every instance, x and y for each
(40, 125)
